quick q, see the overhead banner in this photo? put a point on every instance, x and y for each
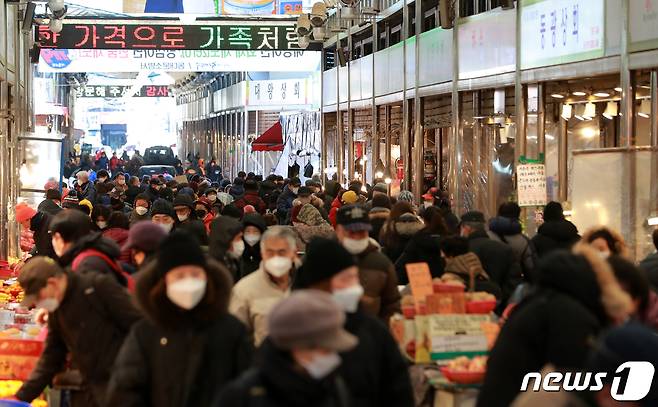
(118, 91)
(487, 44)
(86, 60)
(221, 35)
(561, 31)
(277, 92)
(644, 26)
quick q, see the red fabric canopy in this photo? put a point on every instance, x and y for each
(271, 140)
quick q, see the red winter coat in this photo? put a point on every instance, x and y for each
(251, 198)
(119, 236)
(335, 206)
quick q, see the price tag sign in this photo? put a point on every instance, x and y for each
(420, 281)
(531, 184)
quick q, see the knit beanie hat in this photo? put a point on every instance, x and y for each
(70, 202)
(324, 259)
(24, 212)
(406, 196)
(179, 249)
(163, 207)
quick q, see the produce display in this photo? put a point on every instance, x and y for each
(9, 387)
(463, 370)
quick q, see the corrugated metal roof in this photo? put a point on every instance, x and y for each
(77, 11)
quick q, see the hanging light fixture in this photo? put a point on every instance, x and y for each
(579, 111)
(645, 109)
(566, 111)
(379, 169)
(611, 110)
(590, 111)
(388, 178)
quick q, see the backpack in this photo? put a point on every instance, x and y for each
(121, 275)
(534, 258)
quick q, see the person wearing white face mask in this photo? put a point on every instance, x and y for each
(70, 298)
(380, 283)
(187, 329)
(384, 379)
(187, 219)
(226, 244)
(141, 210)
(298, 362)
(256, 294)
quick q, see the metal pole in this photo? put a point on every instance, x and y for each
(654, 109)
(405, 145)
(653, 198)
(477, 147)
(629, 212)
(456, 138)
(340, 163)
(387, 139)
(375, 111)
(519, 95)
(627, 106)
(563, 169)
(541, 120)
(350, 113)
(419, 136)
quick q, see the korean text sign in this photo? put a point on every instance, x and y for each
(561, 31)
(236, 36)
(531, 184)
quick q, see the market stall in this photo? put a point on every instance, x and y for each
(447, 329)
(21, 340)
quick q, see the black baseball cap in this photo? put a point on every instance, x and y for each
(353, 218)
(473, 216)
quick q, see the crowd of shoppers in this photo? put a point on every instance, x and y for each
(276, 293)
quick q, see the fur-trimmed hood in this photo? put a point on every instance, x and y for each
(587, 278)
(379, 212)
(616, 302)
(406, 225)
(620, 248)
(152, 298)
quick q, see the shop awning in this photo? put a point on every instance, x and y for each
(271, 140)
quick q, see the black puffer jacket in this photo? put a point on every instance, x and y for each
(275, 383)
(50, 207)
(423, 247)
(177, 358)
(555, 235)
(498, 261)
(557, 324)
(375, 371)
(96, 242)
(396, 235)
(43, 245)
(91, 323)
(251, 257)
(222, 232)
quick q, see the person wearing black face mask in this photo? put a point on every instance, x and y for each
(203, 211)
